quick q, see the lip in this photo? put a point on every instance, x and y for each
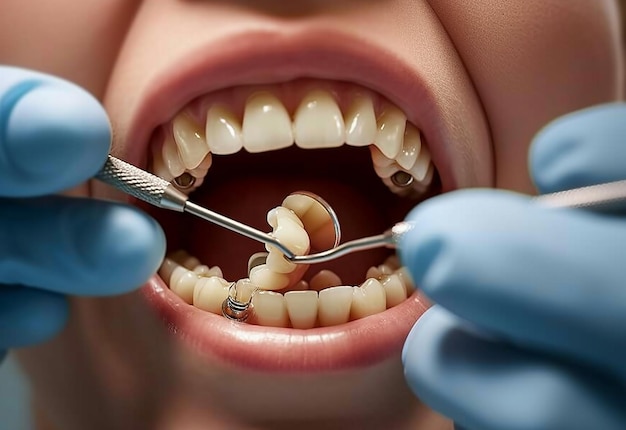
(282, 57)
(358, 343)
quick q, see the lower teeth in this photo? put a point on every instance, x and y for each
(205, 288)
(275, 292)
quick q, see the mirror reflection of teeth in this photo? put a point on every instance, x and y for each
(318, 122)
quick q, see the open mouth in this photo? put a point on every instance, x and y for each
(240, 151)
(242, 128)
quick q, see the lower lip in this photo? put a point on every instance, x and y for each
(356, 344)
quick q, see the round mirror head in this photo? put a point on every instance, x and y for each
(318, 217)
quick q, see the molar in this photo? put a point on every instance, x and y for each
(334, 305)
(270, 309)
(318, 122)
(266, 124)
(302, 307)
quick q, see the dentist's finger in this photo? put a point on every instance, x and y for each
(29, 316)
(77, 246)
(584, 148)
(546, 279)
(489, 385)
(53, 134)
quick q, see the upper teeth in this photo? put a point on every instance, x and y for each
(318, 122)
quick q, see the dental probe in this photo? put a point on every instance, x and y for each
(160, 193)
(610, 196)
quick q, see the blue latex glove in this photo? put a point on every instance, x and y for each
(54, 135)
(529, 330)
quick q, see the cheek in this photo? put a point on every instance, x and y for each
(78, 41)
(531, 62)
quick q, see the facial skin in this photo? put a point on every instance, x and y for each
(493, 73)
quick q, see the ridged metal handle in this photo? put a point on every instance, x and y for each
(141, 184)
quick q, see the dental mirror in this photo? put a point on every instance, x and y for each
(319, 219)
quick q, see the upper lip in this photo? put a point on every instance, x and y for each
(282, 57)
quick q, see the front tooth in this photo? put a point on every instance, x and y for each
(270, 309)
(369, 299)
(190, 140)
(391, 125)
(171, 157)
(266, 124)
(223, 131)
(334, 305)
(302, 308)
(360, 121)
(183, 282)
(210, 293)
(318, 122)
(395, 290)
(410, 147)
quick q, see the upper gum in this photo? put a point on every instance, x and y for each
(289, 93)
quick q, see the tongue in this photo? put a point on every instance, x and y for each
(248, 199)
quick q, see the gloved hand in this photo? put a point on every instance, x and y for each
(529, 329)
(54, 135)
